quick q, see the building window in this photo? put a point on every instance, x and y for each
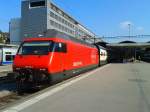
(59, 26)
(63, 28)
(56, 25)
(37, 4)
(56, 17)
(52, 15)
(66, 22)
(63, 21)
(59, 18)
(52, 22)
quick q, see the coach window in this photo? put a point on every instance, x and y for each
(9, 57)
(52, 14)
(13, 57)
(8, 53)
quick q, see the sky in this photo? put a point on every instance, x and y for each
(103, 17)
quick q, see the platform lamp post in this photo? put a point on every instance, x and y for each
(129, 26)
(135, 54)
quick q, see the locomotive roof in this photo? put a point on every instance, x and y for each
(53, 33)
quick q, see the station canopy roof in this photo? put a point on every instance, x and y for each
(128, 43)
(8, 45)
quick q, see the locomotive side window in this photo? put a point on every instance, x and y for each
(60, 47)
(64, 48)
(57, 47)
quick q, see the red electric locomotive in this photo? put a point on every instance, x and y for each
(53, 59)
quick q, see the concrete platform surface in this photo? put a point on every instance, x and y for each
(5, 68)
(114, 88)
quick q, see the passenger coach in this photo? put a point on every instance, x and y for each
(7, 54)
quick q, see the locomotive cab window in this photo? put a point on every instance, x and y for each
(37, 4)
(60, 47)
(36, 48)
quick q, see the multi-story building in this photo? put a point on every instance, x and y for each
(38, 16)
(14, 30)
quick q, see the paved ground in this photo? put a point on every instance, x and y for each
(5, 69)
(5, 89)
(115, 88)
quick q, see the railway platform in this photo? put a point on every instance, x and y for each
(5, 69)
(111, 88)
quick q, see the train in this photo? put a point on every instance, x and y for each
(54, 58)
(7, 55)
(145, 57)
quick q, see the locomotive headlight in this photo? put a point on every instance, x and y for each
(43, 69)
(18, 68)
(15, 69)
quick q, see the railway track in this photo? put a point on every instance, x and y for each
(6, 77)
(11, 99)
(8, 92)
(9, 95)
(14, 97)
